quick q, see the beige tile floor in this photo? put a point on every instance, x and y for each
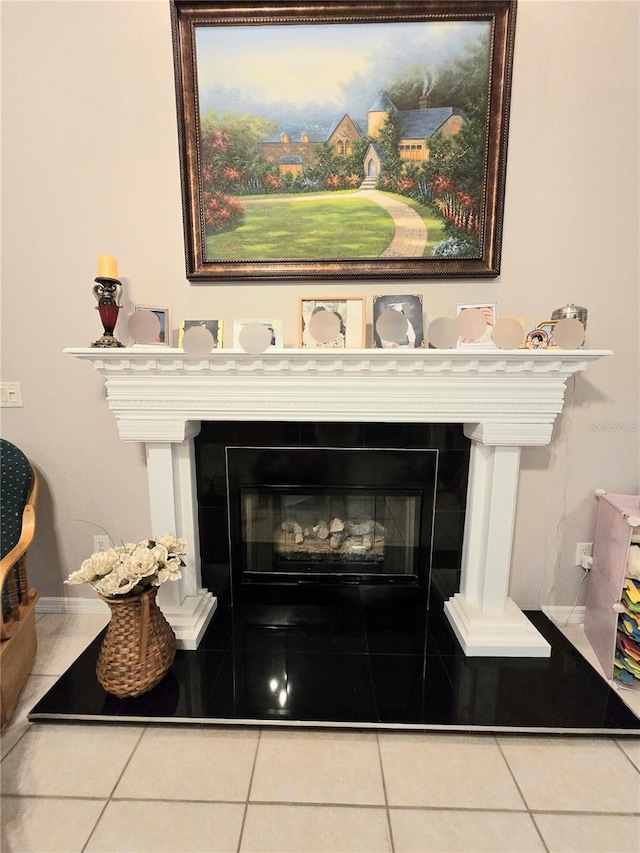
(136, 788)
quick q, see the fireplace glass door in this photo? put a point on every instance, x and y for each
(330, 515)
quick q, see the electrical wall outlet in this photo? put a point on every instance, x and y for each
(583, 549)
(101, 543)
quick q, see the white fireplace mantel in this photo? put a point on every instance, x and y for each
(506, 399)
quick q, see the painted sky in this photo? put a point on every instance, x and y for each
(334, 67)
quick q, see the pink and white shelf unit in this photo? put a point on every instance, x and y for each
(506, 399)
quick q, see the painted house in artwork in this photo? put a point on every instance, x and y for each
(293, 148)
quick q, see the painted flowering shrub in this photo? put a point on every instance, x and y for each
(221, 211)
(220, 175)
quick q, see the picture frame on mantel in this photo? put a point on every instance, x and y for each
(164, 318)
(331, 322)
(392, 165)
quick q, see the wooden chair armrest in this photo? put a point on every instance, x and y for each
(26, 537)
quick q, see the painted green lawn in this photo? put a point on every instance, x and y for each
(356, 228)
(322, 228)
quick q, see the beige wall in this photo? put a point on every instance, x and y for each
(90, 166)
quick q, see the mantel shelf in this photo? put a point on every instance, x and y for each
(505, 396)
(150, 359)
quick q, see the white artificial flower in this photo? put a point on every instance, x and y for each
(85, 574)
(141, 562)
(103, 562)
(173, 545)
(166, 575)
(114, 584)
(129, 567)
(159, 553)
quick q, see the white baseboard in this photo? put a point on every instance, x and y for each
(52, 604)
(188, 620)
(60, 604)
(565, 615)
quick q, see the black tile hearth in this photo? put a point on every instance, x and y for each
(351, 659)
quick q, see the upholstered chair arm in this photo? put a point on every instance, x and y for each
(26, 537)
(18, 589)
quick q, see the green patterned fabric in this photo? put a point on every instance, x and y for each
(15, 482)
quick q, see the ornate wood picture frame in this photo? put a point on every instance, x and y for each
(324, 140)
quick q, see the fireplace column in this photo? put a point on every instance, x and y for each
(173, 503)
(485, 620)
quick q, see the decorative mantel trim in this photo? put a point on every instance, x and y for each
(155, 394)
(505, 399)
(155, 360)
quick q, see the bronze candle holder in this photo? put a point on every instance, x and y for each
(107, 293)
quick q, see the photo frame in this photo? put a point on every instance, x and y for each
(490, 310)
(274, 326)
(164, 316)
(350, 327)
(411, 307)
(537, 339)
(216, 327)
(548, 326)
(273, 163)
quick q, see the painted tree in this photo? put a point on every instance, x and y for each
(460, 82)
(415, 81)
(452, 176)
(463, 82)
(389, 140)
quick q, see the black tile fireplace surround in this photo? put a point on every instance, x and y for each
(442, 545)
(370, 655)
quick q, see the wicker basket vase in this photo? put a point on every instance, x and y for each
(139, 646)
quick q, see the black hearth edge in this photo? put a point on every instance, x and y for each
(346, 658)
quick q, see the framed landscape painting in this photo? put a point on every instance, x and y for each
(325, 140)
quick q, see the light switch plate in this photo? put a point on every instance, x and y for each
(10, 395)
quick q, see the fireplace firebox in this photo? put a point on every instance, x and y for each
(330, 515)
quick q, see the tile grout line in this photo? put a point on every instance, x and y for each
(521, 792)
(248, 797)
(25, 732)
(29, 725)
(386, 798)
(626, 755)
(95, 825)
(342, 805)
(109, 798)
